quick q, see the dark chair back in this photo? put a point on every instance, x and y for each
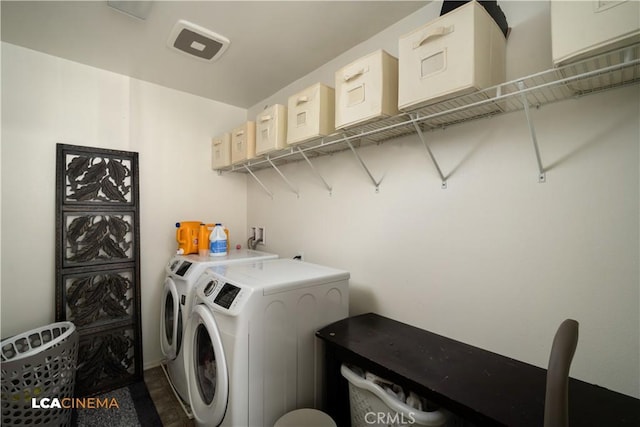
(556, 404)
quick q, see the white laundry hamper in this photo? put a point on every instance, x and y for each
(372, 406)
(38, 364)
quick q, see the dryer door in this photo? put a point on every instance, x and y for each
(207, 368)
(170, 316)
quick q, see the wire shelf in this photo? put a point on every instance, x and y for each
(617, 68)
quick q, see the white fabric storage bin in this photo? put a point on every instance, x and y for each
(243, 142)
(580, 29)
(460, 52)
(221, 151)
(367, 89)
(373, 406)
(271, 129)
(311, 114)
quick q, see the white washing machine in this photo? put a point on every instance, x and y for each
(251, 334)
(177, 298)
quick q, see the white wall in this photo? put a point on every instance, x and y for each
(46, 100)
(497, 260)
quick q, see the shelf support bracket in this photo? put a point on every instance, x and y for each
(532, 131)
(293, 189)
(426, 146)
(327, 186)
(364, 166)
(259, 182)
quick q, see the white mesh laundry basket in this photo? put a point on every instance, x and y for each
(372, 406)
(39, 364)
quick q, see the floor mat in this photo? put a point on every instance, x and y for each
(134, 409)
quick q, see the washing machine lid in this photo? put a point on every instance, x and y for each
(191, 266)
(233, 256)
(278, 275)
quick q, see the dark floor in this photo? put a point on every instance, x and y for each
(170, 411)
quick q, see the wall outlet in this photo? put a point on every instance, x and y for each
(252, 232)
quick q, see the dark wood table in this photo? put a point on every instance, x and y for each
(485, 388)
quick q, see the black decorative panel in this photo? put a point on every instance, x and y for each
(106, 358)
(98, 238)
(90, 177)
(99, 298)
(98, 263)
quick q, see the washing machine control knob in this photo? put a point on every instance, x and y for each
(208, 290)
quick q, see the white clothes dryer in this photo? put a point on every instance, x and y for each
(182, 272)
(251, 335)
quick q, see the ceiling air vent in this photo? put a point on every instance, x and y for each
(197, 42)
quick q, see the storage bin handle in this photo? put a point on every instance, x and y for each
(438, 32)
(265, 118)
(179, 236)
(10, 343)
(351, 76)
(302, 99)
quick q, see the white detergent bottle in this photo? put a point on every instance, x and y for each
(218, 241)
